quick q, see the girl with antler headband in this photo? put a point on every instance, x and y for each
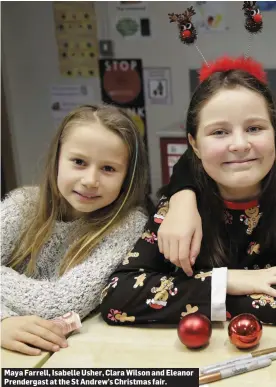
(231, 128)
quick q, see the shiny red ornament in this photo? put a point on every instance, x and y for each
(227, 63)
(194, 330)
(245, 330)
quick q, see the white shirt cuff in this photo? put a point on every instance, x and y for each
(218, 294)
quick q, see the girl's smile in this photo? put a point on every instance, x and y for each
(85, 197)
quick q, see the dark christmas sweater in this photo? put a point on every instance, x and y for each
(147, 288)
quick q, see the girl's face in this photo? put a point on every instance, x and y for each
(92, 167)
(235, 142)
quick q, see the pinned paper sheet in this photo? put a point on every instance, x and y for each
(65, 98)
(130, 19)
(210, 16)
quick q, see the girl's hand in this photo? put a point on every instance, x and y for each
(242, 282)
(20, 333)
(180, 234)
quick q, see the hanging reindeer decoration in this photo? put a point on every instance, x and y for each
(253, 24)
(253, 17)
(187, 31)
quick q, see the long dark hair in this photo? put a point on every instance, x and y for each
(215, 251)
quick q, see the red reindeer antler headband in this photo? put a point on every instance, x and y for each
(253, 24)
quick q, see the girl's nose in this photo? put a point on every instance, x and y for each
(90, 179)
(239, 143)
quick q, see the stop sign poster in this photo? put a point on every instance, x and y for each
(122, 85)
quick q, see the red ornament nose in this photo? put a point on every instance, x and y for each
(186, 34)
(257, 18)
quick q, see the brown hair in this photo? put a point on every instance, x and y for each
(51, 206)
(214, 251)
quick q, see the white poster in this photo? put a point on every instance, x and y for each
(130, 19)
(157, 85)
(210, 16)
(65, 98)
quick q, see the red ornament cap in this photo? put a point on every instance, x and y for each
(227, 63)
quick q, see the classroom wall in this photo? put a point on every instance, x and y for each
(30, 67)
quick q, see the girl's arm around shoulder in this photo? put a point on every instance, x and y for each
(80, 288)
(16, 208)
(181, 178)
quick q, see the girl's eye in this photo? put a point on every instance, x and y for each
(254, 129)
(108, 168)
(79, 162)
(219, 132)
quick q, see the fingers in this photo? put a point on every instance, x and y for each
(177, 250)
(195, 245)
(52, 341)
(184, 250)
(22, 333)
(170, 251)
(17, 346)
(51, 326)
(173, 252)
(166, 248)
(38, 342)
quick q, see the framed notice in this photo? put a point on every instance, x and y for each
(158, 85)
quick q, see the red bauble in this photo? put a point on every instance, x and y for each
(194, 330)
(245, 330)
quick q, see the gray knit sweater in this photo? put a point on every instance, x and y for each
(46, 294)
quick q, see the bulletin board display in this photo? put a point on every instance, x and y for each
(76, 36)
(171, 150)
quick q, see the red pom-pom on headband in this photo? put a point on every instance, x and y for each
(227, 63)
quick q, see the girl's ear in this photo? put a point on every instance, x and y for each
(192, 142)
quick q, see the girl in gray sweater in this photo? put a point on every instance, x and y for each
(62, 240)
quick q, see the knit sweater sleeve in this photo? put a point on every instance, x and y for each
(79, 289)
(15, 210)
